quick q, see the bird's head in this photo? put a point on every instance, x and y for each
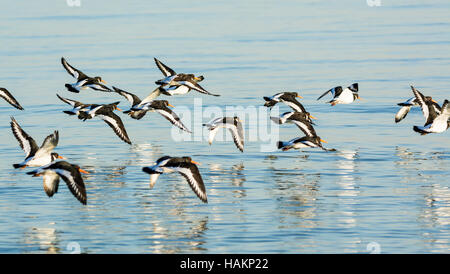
(55, 156)
(99, 79)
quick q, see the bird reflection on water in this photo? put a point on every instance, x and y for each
(234, 175)
(41, 240)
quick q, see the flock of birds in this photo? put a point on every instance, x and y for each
(52, 167)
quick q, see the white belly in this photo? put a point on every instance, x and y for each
(178, 90)
(41, 161)
(346, 97)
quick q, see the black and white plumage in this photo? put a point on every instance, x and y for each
(136, 102)
(71, 174)
(183, 165)
(5, 94)
(234, 124)
(162, 107)
(435, 122)
(106, 113)
(179, 83)
(341, 95)
(136, 110)
(34, 155)
(300, 119)
(288, 98)
(83, 81)
(411, 102)
(302, 142)
(405, 108)
(76, 106)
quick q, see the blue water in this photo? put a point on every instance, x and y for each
(386, 186)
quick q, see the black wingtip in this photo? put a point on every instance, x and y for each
(418, 130)
(116, 89)
(18, 166)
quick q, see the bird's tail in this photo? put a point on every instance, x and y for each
(280, 144)
(284, 145)
(71, 89)
(83, 116)
(18, 165)
(419, 130)
(69, 112)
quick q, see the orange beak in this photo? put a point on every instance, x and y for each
(359, 97)
(323, 141)
(299, 96)
(118, 109)
(60, 157)
(103, 81)
(83, 171)
(312, 117)
(434, 101)
(194, 162)
(170, 105)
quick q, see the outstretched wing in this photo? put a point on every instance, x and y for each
(116, 124)
(77, 74)
(421, 100)
(164, 69)
(50, 142)
(5, 94)
(73, 103)
(195, 86)
(51, 183)
(238, 135)
(192, 175)
(74, 182)
(26, 142)
(325, 93)
(401, 114)
(152, 96)
(306, 127)
(212, 134)
(173, 118)
(133, 99)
